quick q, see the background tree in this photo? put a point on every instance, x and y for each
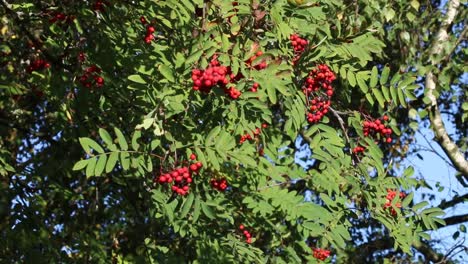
(189, 131)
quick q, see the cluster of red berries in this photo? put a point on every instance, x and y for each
(299, 44)
(149, 30)
(254, 87)
(321, 254)
(256, 133)
(374, 127)
(180, 178)
(248, 236)
(318, 90)
(99, 6)
(219, 184)
(358, 149)
(259, 65)
(215, 74)
(219, 75)
(37, 65)
(391, 194)
(91, 77)
(61, 18)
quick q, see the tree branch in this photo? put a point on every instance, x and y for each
(456, 219)
(449, 147)
(427, 251)
(455, 200)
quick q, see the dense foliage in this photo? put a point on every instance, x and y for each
(190, 131)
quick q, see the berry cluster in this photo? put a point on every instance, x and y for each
(318, 90)
(321, 254)
(299, 44)
(254, 87)
(91, 77)
(377, 127)
(215, 74)
(180, 178)
(358, 149)
(61, 18)
(219, 75)
(219, 184)
(248, 236)
(37, 65)
(149, 30)
(256, 133)
(391, 194)
(259, 65)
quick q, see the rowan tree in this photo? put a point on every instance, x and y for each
(190, 131)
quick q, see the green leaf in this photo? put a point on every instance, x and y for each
(271, 92)
(379, 97)
(209, 140)
(207, 211)
(420, 205)
(89, 144)
(121, 139)
(135, 137)
(351, 79)
(136, 78)
(113, 157)
(91, 166)
(401, 97)
(213, 159)
(100, 165)
(167, 72)
(362, 84)
(187, 205)
(374, 77)
(384, 76)
(105, 136)
(125, 160)
(408, 199)
(196, 210)
(80, 165)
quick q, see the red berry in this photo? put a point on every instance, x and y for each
(193, 167)
(193, 157)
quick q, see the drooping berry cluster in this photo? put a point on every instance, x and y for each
(91, 77)
(255, 133)
(321, 254)
(219, 184)
(247, 234)
(378, 127)
(149, 30)
(215, 74)
(318, 90)
(38, 65)
(391, 194)
(180, 178)
(299, 44)
(222, 76)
